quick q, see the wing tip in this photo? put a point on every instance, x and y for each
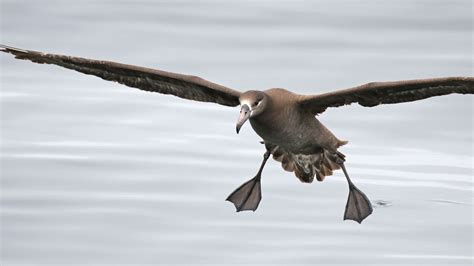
(9, 49)
(17, 52)
(23, 54)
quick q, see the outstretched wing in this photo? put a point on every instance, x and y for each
(184, 86)
(376, 93)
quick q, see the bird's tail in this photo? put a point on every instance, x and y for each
(307, 166)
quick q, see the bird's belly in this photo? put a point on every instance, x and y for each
(296, 138)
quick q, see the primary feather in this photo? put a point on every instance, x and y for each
(154, 80)
(375, 93)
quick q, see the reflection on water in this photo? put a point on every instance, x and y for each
(381, 203)
(94, 172)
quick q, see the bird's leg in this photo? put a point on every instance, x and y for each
(358, 206)
(248, 195)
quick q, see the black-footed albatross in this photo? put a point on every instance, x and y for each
(286, 121)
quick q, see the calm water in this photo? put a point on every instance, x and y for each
(97, 173)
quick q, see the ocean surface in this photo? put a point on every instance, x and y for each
(96, 173)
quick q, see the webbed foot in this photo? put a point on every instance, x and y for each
(247, 196)
(358, 206)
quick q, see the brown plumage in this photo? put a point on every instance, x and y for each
(285, 120)
(375, 93)
(306, 166)
(147, 79)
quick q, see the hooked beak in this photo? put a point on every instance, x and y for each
(244, 116)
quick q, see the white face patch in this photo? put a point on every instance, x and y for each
(246, 102)
(250, 104)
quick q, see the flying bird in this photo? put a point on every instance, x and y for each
(286, 121)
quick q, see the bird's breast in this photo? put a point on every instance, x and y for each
(288, 131)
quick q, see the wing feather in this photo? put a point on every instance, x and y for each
(153, 80)
(376, 93)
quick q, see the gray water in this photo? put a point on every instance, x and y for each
(93, 172)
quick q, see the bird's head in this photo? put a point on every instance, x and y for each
(252, 104)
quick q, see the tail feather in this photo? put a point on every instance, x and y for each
(307, 166)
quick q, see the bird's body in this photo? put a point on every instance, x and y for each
(284, 120)
(286, 124)
(295, 137)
